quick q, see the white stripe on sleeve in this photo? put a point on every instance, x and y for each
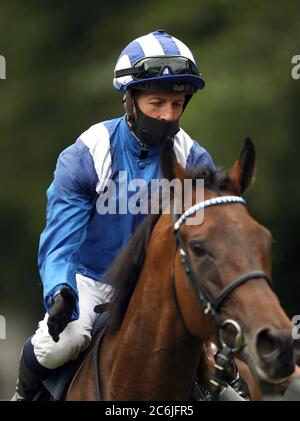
(182, 147)
(96, 138)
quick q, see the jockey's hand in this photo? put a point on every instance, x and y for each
(60, 312)
(284, 385)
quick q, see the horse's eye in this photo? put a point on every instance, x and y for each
(197, 248)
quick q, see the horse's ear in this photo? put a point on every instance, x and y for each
(242, 171)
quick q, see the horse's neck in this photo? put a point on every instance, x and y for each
(152, 356)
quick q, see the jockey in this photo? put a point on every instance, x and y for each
(157, 76)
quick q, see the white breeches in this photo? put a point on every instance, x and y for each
(76, 337)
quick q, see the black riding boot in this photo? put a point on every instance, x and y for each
(28, 383)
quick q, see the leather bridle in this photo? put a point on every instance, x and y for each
(212, 305)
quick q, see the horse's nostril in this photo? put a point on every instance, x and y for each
(275, 352)
(269, 345)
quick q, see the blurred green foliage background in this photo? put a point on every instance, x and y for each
(60, 57)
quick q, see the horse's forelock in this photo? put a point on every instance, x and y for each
(217, 180)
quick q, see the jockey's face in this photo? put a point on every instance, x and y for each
(161, 105)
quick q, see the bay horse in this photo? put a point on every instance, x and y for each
(175, 284)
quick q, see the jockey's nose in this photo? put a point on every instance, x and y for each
(168, 113)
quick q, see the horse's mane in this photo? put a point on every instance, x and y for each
(125, 269)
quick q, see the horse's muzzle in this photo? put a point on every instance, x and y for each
(275, 350)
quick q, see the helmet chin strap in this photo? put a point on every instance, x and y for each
(128, 104)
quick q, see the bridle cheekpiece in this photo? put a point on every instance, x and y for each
(211, 305)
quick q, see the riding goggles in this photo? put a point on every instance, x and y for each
(152, 67)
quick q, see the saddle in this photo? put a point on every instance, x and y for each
(56, 385)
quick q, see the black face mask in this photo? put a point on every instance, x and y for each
(153, 132)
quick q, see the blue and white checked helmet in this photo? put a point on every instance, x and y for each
(153, 58)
